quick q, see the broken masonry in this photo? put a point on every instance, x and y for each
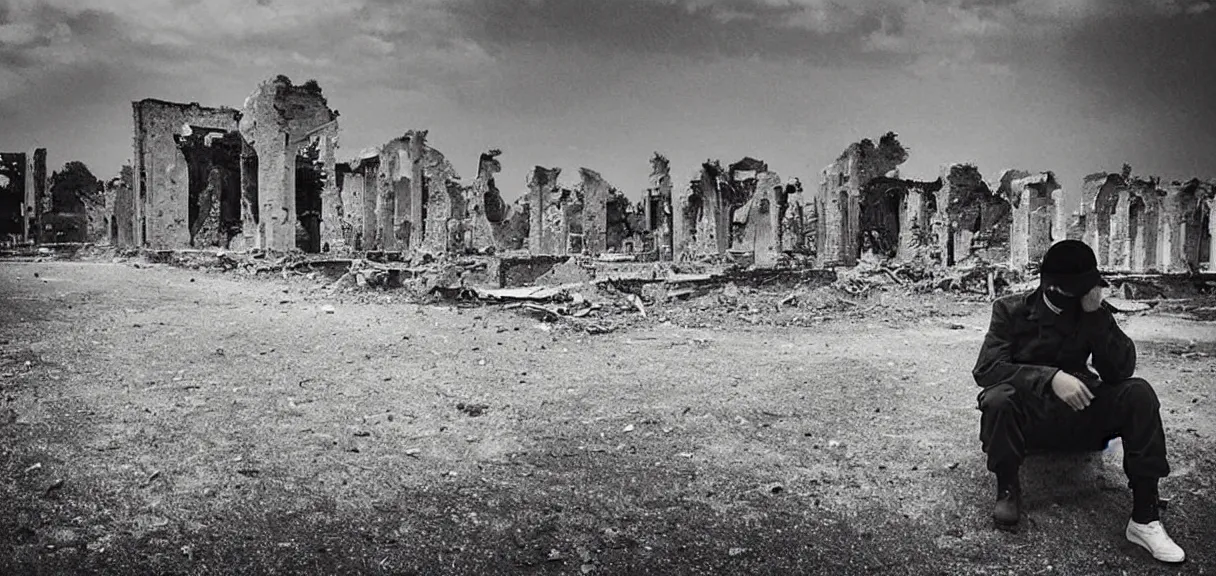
(266, 177)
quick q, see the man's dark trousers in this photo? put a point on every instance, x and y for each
(1012, 423)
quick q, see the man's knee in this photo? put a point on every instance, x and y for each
(998, 398)
(1138, 392)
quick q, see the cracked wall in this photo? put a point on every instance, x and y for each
(162, 175)
(278, 120)
(838, 197)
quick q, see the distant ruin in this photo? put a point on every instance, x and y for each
(266, 177)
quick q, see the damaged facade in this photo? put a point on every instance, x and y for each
(266, 177)
(250, 178)
(178, 175)
(1141, 225)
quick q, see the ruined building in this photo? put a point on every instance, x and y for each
(174, 191)
(253, 178)
(23, 195)
(838, 200)
(266, 176)
(290, 134)
(1139, 225)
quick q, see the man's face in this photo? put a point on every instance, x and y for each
(1090, 301)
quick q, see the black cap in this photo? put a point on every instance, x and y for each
(1072, 266)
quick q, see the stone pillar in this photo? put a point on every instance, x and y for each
(660, 194)
(1164, 240)
(482, 229)
(386, 200)
(595, 212)
(276, 194)
(546, 212)
(332, 208)
(682, 238)
(1120, 227)
(710, 238)
(910, 224)
(1211, 264)
(441, 205)
(416, 143)
(1019, 233)
(403, 226)
(367, 176)
(249, 197)
(764, 222)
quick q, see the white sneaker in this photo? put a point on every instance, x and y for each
(1152, 537)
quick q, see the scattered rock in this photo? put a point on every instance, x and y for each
(473, 410)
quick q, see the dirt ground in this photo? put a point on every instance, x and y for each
(169, 421)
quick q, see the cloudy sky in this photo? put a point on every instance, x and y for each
(1074, 86)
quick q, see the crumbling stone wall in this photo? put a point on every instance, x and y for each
(395, 194)
(976, 221)
(797, 232)
(1190, 206)
(766, 213)
(1032, 198)
(120, 202)
(161, 218)
(278, 119)
(596, 192)
(1144, 221)
(839, 195)
(658, 206)
(626, 231)
(549, 229)
(486, 206)
(697, 216)
(895, 218)
(446, 212)
(1102, 195)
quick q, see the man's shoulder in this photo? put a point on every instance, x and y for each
(1014, 303)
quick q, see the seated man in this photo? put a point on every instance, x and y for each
(1039, 393)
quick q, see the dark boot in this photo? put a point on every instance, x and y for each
(1008, 509)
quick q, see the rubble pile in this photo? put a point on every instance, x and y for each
(980, 278)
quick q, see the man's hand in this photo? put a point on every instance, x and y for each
(1071, 390)
(1092, 300)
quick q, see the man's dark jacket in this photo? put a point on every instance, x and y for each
(1027, 343)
